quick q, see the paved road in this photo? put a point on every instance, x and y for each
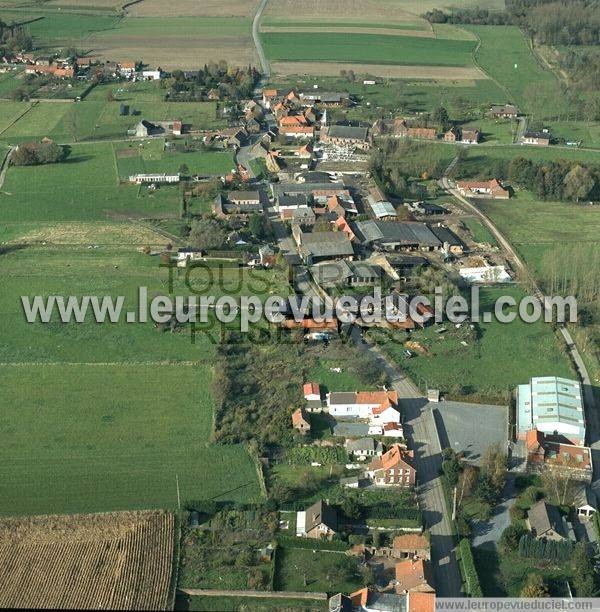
(592, 417)
(421, 432)
(264, 64)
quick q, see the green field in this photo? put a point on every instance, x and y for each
(494, 361)
(104, 416)
(150, 156)
(97, 117)
(367, 48)
(534, 227)
(400, 95)
(479, 231)
(505, 55)
(89, 438)
(85, 187)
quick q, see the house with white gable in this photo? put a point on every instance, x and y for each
(363, 405)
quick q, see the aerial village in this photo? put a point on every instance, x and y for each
(326, 217)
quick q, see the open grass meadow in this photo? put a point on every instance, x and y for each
(505, 55)
(86, 438)
(534, 227)
(106, 416)
(99, 116)
(151, 156)
(258, 604)
(495, 358)
(84, 187)
(367, 48)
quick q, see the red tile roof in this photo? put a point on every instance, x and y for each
(312, 389)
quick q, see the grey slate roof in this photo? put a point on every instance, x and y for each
(395, 232)
(362, 444)
(543, 517)
(320, 512)
(326, 244)
(348, 131)
(306, 188)
(342, 397)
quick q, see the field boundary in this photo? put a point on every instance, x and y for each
(313, 596)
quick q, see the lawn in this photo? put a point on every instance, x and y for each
(586, 132)
(505, 575)
(494, 131)
(367, 48)
(89, 438)
(505, 55)
(85, 187)
(496, 358)
(302, 569)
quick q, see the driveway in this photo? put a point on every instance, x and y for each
(487, 533)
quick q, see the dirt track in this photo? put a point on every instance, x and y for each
(427, 73)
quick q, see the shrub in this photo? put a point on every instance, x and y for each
(468, 564)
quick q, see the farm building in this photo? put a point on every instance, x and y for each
(554, 407)
(504, 111)
(140, 179)
(300, 421)
(541, 139)
(391, 236)
(350, 273)
(483, 189)
(323, 246)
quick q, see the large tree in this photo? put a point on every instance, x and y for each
(578, 183)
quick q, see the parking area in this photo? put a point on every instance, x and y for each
(471, 428)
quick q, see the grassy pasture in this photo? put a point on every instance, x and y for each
(96, 117)
(63, 28)
(367, 48)
(491, 365)
(534, 227)
(40, 121)
(83, 438)
(83, 188)
(505, 55)
(9, 81)
(150, 156)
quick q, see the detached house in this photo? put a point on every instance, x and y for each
(504, 111)
(545, 521)
(317, 522)
(540, 139)
(394, 468)
(300, 421)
